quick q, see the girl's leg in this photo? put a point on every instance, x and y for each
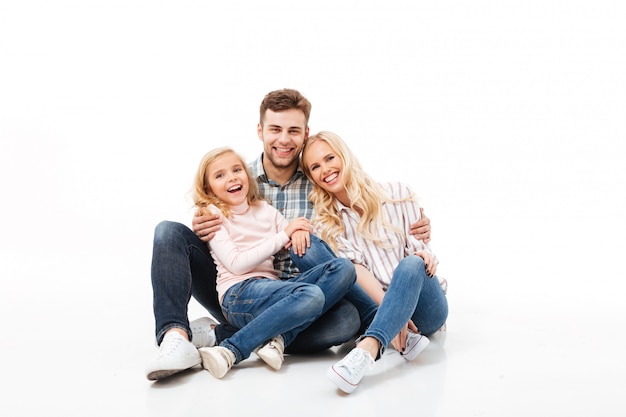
(264, 308)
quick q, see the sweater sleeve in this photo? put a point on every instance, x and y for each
(239, 261)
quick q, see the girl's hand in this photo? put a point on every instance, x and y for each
(300, 240)
(429, 261)
(301, 223)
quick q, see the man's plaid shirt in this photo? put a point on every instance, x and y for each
(291, 200)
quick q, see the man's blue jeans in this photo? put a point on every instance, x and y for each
(182, 267)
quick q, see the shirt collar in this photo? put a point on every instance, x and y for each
(259, 171)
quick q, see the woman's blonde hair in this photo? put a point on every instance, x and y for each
(203, 196)
(363, 193)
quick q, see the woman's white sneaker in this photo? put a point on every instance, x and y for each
(348, 372)
(415, 344)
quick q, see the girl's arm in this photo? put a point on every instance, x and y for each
(239, 261)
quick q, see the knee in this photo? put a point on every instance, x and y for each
(164, 230)
(412, 263)
(344, 267)
(315, 298)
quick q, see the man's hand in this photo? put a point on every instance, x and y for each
(205, 226)
(421, 228)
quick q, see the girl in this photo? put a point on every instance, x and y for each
(368, 223)
(252, 297)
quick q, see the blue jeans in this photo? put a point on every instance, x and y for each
(317, 254)
(264, 308)
(413, 295)
(182, 267)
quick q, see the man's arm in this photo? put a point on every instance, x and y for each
(205, 226)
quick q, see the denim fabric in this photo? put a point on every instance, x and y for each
(263, 308)
(317, 254)
(183, 267)
(414, 295)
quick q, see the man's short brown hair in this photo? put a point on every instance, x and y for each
(285, 99)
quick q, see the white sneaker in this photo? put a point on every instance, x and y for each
(415, 344)
(175, 355)
(217, 360)
(203, 333)
(272, 352)
(348, 372)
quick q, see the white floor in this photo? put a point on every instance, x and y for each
(506, 117)
(75, 345)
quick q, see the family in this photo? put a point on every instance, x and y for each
(297, 252)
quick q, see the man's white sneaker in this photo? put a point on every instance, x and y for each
(415, 344)
(203, 333)
(348, 372)
(272, 352)
(176, 354)
(217, 360)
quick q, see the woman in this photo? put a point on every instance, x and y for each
(368, 223)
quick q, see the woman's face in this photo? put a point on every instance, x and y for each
(325, 167)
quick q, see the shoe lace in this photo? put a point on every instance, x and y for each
(356, 361)
(168, 346)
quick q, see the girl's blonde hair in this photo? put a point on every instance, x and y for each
(203, 196)
(363, 193)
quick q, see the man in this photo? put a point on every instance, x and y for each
(182, 265)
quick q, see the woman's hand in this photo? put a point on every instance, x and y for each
(399, 342)
(429, 262)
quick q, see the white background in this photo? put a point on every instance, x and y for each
(507, 118)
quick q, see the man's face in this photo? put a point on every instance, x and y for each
(283, 135)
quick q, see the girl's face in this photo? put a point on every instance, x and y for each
(227, 179)
(325, 168)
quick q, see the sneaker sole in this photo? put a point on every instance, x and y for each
(338, 380)
(156, 375)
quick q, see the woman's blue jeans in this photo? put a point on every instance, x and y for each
(413, 295)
